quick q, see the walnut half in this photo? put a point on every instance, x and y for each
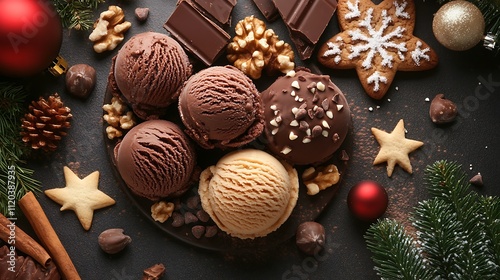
(318, 179)
(255, 48)
(108, 29)
(162, 210)
(118, 117)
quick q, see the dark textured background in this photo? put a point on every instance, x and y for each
(473, 141)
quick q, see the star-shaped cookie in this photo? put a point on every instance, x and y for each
(377, 40)
(81, 196)
(394, 148)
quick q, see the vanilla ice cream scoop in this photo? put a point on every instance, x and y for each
(249, 193)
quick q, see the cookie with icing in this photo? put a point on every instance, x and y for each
(377, 41)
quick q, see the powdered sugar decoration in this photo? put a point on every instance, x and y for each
(419, 53)
(400, 10)
(376, 42)
(353, 10)
(376, 78)
(334, 50)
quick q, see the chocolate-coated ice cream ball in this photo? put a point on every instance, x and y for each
(149, 70)
(156, 159)
(307, 117)
(221, 108)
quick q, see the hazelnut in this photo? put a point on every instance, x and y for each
(80, 80)
(113, 240)
(442, 110)
(310, 237)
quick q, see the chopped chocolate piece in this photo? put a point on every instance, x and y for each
(177, 219)
(197, 33)
(25, 267)
(344, 156)
(217, 10)
(306, 21)
(193, 202)
(190, 218)
(198, 231)
(211, 231)
(153, 273)
(477, 180)
(267, 8)
(203, 216)
(141, 14)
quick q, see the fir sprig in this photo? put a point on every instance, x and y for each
(12, 150)
(77, 14)
(395, 252)
(458, 232)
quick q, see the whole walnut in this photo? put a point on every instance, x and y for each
(255, 48)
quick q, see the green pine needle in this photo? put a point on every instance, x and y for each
(395, 253)
(77, 14)
(12, 150)
(458, 233)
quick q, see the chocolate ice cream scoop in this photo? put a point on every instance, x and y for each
(156, 159)
(307, 117)
(149, 70)
(221, 107)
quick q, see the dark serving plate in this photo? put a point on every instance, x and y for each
(308, 207)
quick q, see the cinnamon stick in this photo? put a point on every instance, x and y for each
(45, 232)
(22, 241)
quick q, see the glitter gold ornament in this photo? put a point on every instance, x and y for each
(46, 123)
(458, 25)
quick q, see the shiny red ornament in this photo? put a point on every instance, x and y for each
(30, 36)
(367, 200)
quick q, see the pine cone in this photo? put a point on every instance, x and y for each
(45, 124)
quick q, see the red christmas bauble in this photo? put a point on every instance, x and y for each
(367, 200)
(30, 36)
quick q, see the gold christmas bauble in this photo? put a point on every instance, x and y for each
(458, 25)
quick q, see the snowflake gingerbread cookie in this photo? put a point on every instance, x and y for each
(377, 40)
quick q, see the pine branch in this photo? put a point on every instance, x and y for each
(458, 230)
(491, 210)
(395, 253)
(77, 14)
(12, 150)
(439, 234)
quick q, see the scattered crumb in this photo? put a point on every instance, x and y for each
(427, 99)
(370, 109)
(388, 100)
(397, 88)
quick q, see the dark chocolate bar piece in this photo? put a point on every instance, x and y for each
(304, 48)
(306, 21)
(197, 33)
(267, 8)
(216, 10)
